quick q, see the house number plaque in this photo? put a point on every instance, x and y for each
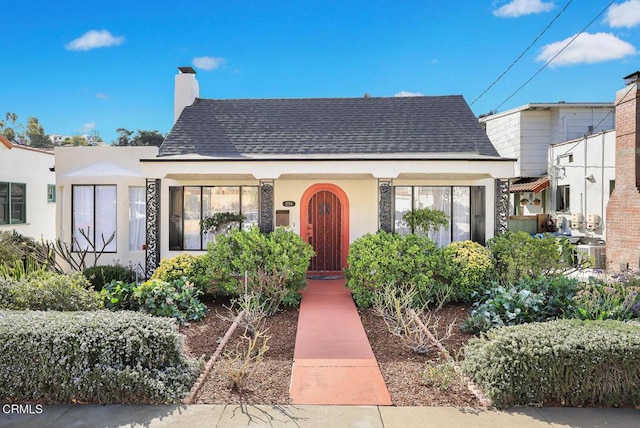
(288, 204)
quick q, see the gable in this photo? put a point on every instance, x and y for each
(327, 126)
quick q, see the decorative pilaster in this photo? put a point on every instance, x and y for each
(502, 206)
(266, 206)
(152, 253)
(385, 205)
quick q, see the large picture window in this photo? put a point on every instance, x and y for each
(466, 216)
(190, 204)
(13, 205)
(94, 217)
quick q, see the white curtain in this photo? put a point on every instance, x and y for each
(402, 205)
(192, 215)
(461, 218)
(137, 218)
(106, 217)
(438, 198)
(83, 212)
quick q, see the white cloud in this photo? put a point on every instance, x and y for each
(208, 62)
(626, 14)
(102, 96)
(522, 7)
(408, 94)
(587, 49)
(87, 128)
(94, 39)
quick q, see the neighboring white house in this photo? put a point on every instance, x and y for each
(330, 169)
(27, 190)
(526, 133)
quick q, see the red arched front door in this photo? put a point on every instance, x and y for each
(325, 218)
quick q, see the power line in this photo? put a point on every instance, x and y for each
(523, 52)
(556, 55)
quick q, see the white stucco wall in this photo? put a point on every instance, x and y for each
(31, 167)
(592, 157)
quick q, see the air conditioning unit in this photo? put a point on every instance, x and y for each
(576, 221)
(595, 254)
(593, 221)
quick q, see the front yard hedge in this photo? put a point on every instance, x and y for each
(563, 362)
(92, 357)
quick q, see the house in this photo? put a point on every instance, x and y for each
(27, 191)
(526, 133)
(330, 169)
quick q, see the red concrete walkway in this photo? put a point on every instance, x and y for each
(333, 361)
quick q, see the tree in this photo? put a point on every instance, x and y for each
(78, 140)
(35, 134)
(426, 220)
(141, 138)
(8, 132)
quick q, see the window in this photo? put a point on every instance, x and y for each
(94, 218)
(562, 198)
(190, 204)
(137, 218)
(13, 206)
(463, 205)
(51, 192)
(612, 186)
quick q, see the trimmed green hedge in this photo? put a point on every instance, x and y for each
(566, 362)
(92, 357)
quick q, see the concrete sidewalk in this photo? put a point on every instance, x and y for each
(305, 416)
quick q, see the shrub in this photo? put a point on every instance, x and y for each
(572, 362)
(92, 357)
(15, 246)
(466, 266)
(188, 266)
(49, 291)
(528, 300)
(98, 276)
(281, 253)
(598, 300)
(386, 259)
(517, 255)
(177, 299)
(426, 220)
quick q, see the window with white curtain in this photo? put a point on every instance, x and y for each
(454, 201)
(137, 218)
(94, 218)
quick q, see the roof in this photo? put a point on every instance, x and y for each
(529, 184)
(547, 106)
(307, 127)
(9, 145)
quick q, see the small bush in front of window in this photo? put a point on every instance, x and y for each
(188, 266)
(518, 255)
(103, 274)
(49, 291)
(466, 266)
(281, 253)
(92, 357)
(381, 259)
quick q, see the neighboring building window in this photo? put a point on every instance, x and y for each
(137, 218)
(13, 205)
(51, 192)
(94, 218)
(612, 186)
(189, 204)
(562, 198)
(463, 205)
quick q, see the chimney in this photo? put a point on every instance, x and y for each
(623, 209)
(186, 90)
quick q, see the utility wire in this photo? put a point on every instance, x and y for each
(556, 55)
(522, 54)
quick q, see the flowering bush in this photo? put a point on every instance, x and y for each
(92, 357)
(177, 299)
(600, 300)
(188, 266)
(48, 291)
(466, 266)
(571, 362)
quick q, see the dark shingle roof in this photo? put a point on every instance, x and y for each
(317, 126)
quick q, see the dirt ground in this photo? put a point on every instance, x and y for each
(269, 383)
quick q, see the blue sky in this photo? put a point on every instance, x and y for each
(85, 66)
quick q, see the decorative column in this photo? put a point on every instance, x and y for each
(502, 206)
(385, 205)
(152, 253)
(265, 223)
